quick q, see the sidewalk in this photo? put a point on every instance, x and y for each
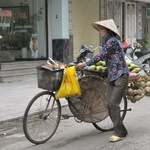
(15, 96)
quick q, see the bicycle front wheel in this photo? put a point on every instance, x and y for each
(41, 117)
(106, 124)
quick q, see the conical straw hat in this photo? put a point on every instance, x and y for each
(109, 24)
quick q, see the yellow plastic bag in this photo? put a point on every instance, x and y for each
(69, 86)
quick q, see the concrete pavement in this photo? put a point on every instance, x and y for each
(15, 96)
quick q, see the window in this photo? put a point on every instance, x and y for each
(23, 28)
(148, 11)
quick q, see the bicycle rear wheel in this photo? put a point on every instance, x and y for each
(41, 117)
(106, 124)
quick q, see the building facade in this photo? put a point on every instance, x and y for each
(38, 29)
(131, 17)
(23, 28)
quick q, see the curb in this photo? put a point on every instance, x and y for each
(20, 116)
(13, 118)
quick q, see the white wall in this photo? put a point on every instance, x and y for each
(60, 19)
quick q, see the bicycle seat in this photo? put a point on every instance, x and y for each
(142, 53)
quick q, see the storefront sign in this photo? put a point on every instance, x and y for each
(6, 13)
(19, 16)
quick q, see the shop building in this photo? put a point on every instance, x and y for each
(131, 16)
(32, 30)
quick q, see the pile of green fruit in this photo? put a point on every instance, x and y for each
(101, 67)
(132, 67)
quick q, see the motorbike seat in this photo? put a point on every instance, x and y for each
(142, 53)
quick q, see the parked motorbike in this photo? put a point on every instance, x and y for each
(139, 57)
(134, 54)
(85, 54)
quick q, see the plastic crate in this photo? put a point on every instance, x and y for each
(49, 79)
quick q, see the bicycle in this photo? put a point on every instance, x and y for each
(43, 113)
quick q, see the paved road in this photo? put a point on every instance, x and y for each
(83, 136)
(70, 135)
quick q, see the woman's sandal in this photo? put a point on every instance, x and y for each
(115, 138)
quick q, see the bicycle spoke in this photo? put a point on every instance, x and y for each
(40, 121)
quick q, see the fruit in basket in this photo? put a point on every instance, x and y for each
(98, 68)
(129, 97)
(132, 67)
(87, 59)
(146, 85)
(129, 68)
(135, 70)
(93, 67)
(147, 91)
(128, 63)
(137, 97)
(130, 91)
(142, 84)
(98, 63)
(104, 69)
(140, 91)
(135, 91)
(103, 63)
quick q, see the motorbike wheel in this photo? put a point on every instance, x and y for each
(146, 67)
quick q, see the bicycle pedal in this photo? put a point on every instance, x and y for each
(66, 116)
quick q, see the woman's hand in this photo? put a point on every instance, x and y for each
(80, 66)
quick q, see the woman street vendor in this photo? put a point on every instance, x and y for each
(118, 73)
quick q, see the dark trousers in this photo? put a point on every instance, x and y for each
(115, 92)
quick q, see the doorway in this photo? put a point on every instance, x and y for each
(130, 22)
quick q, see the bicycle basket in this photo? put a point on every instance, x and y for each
(95, 72)
(49, 79)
